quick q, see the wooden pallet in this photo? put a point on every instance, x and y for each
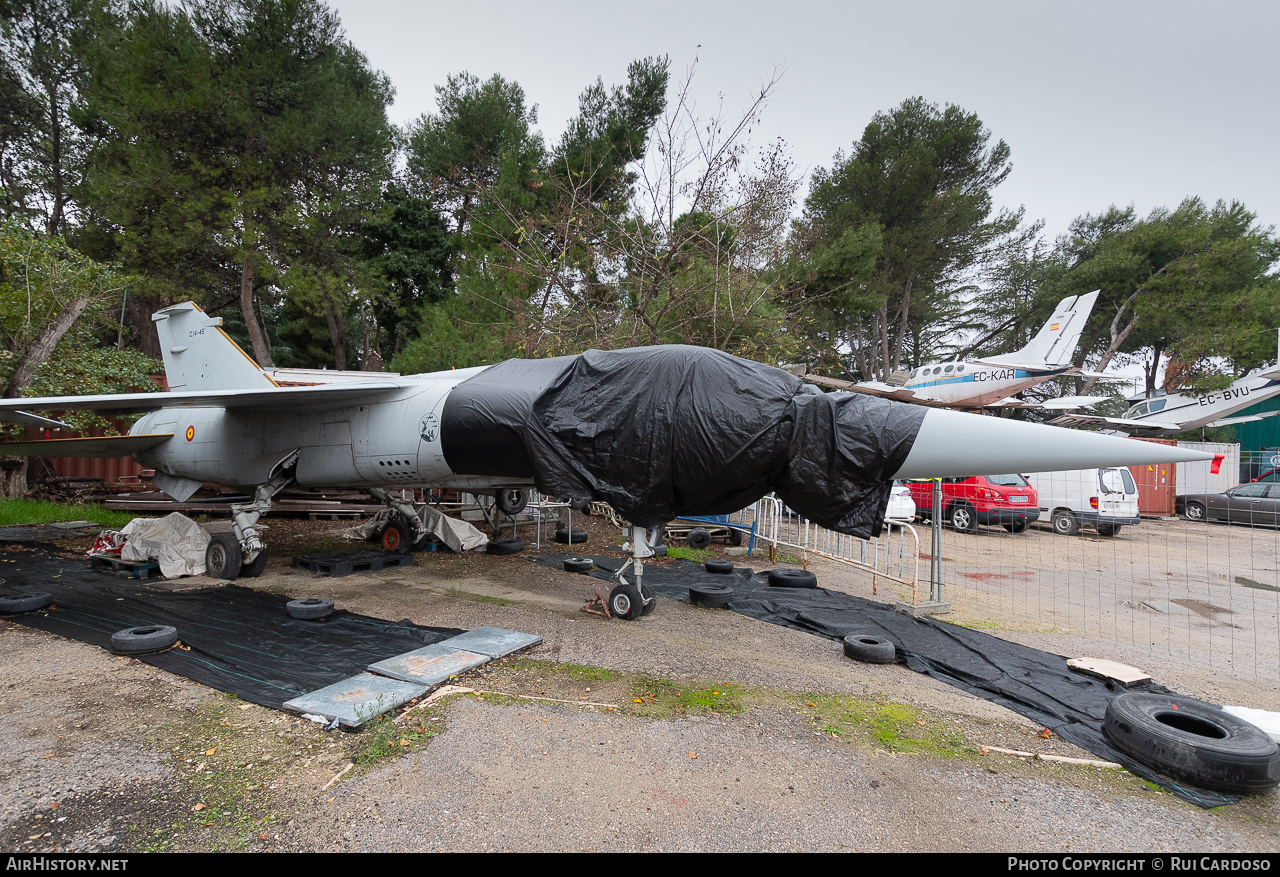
(128, 568)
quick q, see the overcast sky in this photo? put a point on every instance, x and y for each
(1138, 103)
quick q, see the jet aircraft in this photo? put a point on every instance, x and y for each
(657, 432)
(992, 381)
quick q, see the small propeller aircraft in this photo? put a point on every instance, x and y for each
(1170, 413)
(992, 381)
(657, 432)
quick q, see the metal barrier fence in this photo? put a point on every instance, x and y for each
(894, 555)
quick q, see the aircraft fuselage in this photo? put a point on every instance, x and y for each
(974, 384)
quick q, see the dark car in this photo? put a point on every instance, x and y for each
(1256, 504)
(1007, 500)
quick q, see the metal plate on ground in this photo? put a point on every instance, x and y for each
(356, 700)
(493, 641)
(430, 665)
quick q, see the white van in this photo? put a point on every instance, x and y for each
(1104, 499)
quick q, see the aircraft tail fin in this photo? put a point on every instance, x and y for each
(1055, 343)
(198, 355)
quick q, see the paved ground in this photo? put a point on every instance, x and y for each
(691, 729)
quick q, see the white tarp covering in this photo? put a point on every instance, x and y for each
(458, 535)
(175, 540)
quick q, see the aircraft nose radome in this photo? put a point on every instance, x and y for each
(955, 444)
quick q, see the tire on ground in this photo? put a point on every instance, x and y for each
(142, 639)
(717, 566)
(504, 546)
(792, 578)
(309, 608)
(566, 536)
(24, 603)
(699, 539)
(1193, 741)
(871, 649)
(711, 596)
(579, 564)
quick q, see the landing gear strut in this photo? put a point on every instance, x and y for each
(627, 600)
(242, 552)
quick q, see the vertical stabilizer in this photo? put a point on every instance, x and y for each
(1055, 343)
(198, 355)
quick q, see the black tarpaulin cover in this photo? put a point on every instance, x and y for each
(660, 432)
(1028, 681)
(234, 639)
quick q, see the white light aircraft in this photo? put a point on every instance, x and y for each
(990, 382)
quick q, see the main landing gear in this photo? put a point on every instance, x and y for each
(242, 551)
(623, 599)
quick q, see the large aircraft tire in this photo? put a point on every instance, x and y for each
(1193, 741)
(223, 558)
(396, 536)
(309, 608)
(579, 564)
(504, 546)
(254, 568)
(699, 539)
(710, 596)
(511, 502)
(792, 578)
(24, 603)
(871, 649)
(143, 639)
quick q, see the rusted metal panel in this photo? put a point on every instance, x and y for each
(1157, 485)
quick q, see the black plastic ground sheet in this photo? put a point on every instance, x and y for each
(234, 639)
(1032, 683)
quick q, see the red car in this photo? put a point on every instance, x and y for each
(1007, 500)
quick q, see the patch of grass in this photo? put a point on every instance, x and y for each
(694, 554)
(789, 558)
(659, 698)
(580, 672)
(33, 511)
(883, 724)
(389, 738)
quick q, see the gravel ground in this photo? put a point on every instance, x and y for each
(690, 729)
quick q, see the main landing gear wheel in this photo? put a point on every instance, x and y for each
(1193, 741)
(223, 558)
(650, 600)
(396, 537)
(1065, 523)
(511, 502)
(963, 518)
(625, 602)
(254, 568)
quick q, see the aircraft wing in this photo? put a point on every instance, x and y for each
(874, 388)
(1091, 421)
(1061, 403)
(1248, 418)
(98, 446)
(296, 398)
